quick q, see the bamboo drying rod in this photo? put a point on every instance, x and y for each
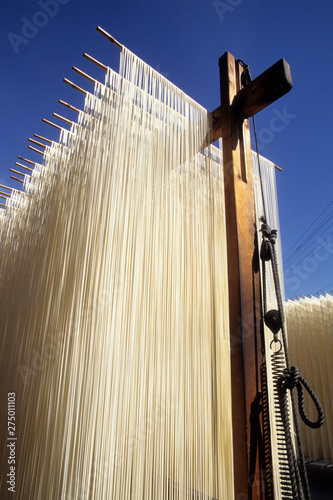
(43, 138)
(35, 149)
(109, 37)
(76, 87)
(94, 61)
(23, 166)
(16, 171)
(52, 124)
(16, 179)
(69, 106)
(85, 75)
(28, 161)
(37, 142)
(63, 119)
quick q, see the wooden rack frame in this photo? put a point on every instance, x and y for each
(231, 123)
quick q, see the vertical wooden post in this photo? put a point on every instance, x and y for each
(243, 277)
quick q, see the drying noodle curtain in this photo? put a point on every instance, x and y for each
(114, 304)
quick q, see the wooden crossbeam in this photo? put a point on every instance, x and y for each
(274, 83)
(267, 88)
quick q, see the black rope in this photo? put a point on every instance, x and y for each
(245, 80)
(259, 167)
(269, 239)
(276, 321)
(296, 482)
(268, 249)
(291, 379)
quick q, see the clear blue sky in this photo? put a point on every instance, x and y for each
(184, 39)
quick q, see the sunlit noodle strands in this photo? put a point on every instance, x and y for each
(114, 303)
(310, 335)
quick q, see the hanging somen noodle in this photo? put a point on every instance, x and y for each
(114, 304)
(310, 327)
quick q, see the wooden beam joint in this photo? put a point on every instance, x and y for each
(272, 84)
